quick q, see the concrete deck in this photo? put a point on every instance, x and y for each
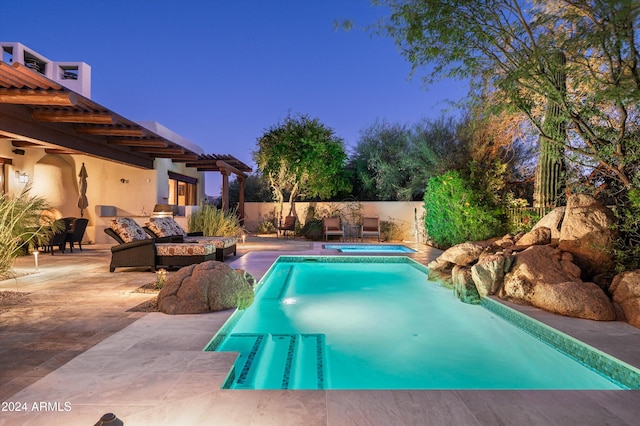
(73, 349)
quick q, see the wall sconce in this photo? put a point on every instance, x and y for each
(124, 180)
(22, 177)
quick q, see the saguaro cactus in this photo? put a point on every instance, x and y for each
(550, 174)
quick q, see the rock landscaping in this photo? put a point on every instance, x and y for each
(205, 287)
(563, 265)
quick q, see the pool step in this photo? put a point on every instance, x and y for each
(278, 361)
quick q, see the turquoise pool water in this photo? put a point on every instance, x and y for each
(370, 248)
(377, 323)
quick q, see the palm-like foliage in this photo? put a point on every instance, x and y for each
(23, 226)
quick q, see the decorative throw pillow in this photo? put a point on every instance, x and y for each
(128, 229)
(165, 227)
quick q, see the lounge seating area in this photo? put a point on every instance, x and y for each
(162, 243)
(72, 232)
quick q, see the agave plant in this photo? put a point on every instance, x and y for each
(24, 225)
(214, 222)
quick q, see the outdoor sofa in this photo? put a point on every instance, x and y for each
(137, 248)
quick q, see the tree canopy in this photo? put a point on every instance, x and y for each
(302, 158)
(509, 46)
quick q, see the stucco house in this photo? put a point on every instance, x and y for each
(50, 127)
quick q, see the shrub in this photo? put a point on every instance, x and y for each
(627, 246)
(23, 226)
(455, 213)
(394, 231)
(214, 222)
(312, 230)
(266, 227)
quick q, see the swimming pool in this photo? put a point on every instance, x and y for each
(370, 248)
(342, 322)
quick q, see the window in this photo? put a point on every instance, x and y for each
(183, 190)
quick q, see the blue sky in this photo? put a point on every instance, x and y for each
(220, 73)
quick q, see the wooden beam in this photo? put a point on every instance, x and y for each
(110, 131)
(16, 122)
(9, 77)
(72, 117)
(24, 144)
(156, 143)
(61, 151)
(184, 158)
(30, 75)
(165, 151)
(37, 97)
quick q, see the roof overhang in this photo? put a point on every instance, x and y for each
(38, 112)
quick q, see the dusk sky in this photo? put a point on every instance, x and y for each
(219, 73)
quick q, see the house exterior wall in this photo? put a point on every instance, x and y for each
(113, 189)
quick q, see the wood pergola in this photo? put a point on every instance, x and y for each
(38, 112)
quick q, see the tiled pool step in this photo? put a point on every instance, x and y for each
(298, 360)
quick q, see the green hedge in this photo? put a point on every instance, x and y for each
(455, 212)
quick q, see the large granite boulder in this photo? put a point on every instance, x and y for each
(463, 285)
(205, 287)
(587, 232)
(488, 273)
(545, 277)
(537, 236)
(553, 221)
(462, 254)
(626, 294)
(574, 299)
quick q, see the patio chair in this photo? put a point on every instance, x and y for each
(370, 226)
(76, 232)
(289, 225)
(331, 226)
(59, 238)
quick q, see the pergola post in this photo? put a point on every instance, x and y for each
(241, 180)
(225, 189)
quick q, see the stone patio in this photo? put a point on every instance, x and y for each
(77, 345)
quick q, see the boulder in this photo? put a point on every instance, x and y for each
(439, 265)
(488, 273)
(205, 287)
(553, 221)
(537, 264)
(463, 286)
(587, 232)
(504, 242)
(574, 299)
(462, 254)
(543, 276)
(537, 236)
(626, 294)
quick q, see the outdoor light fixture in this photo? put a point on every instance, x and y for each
(35, 256)
(243, 238)
(22, 177)
(18, 151)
